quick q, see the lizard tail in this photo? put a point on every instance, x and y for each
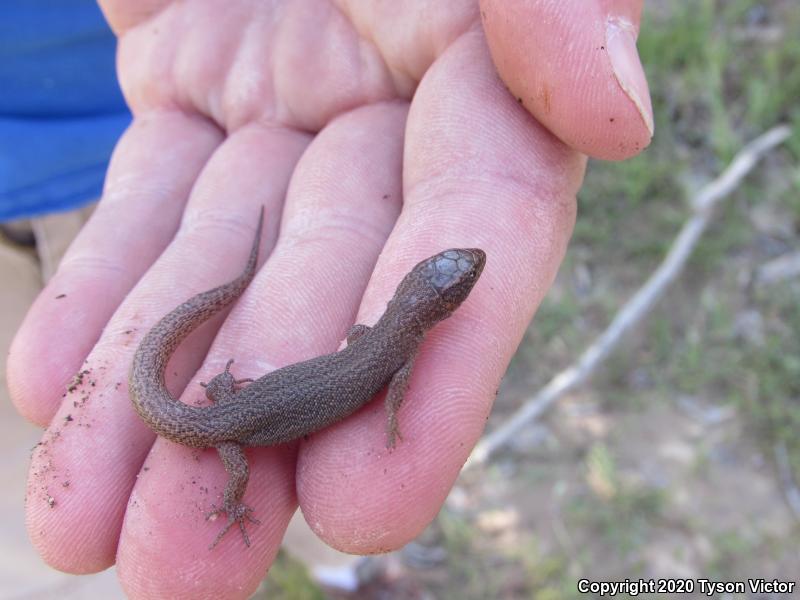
(164, 414)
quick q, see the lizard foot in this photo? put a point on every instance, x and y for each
(239, 513)
(392, 432)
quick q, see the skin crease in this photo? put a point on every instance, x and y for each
(305, 108)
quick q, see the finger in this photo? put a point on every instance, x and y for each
(341, 205)
(573, 64)
(164, 548)
(82, 473)
(142, 203)
(478, 172)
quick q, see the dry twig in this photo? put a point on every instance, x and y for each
(640, 304)
(779, 269)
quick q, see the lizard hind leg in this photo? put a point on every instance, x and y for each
(356, 331)
(232, 455)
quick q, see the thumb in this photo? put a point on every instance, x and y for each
(573, 64)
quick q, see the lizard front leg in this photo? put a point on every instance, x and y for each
(394, 398)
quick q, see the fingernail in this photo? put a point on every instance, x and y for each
(621, 46)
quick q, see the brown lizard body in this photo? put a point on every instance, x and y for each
(304, 397)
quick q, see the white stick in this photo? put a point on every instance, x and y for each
(779, 269)
(640, 304)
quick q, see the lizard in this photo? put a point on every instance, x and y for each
(301, 398)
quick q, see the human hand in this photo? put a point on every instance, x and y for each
(374, 136)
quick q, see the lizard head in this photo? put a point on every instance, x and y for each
(438, 285)
(453, 273)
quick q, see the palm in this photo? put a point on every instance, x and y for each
(374, 135)
(292, 64)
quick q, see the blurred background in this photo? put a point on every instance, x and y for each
(679, 456)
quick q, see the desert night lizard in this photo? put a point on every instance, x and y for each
(304, 397)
